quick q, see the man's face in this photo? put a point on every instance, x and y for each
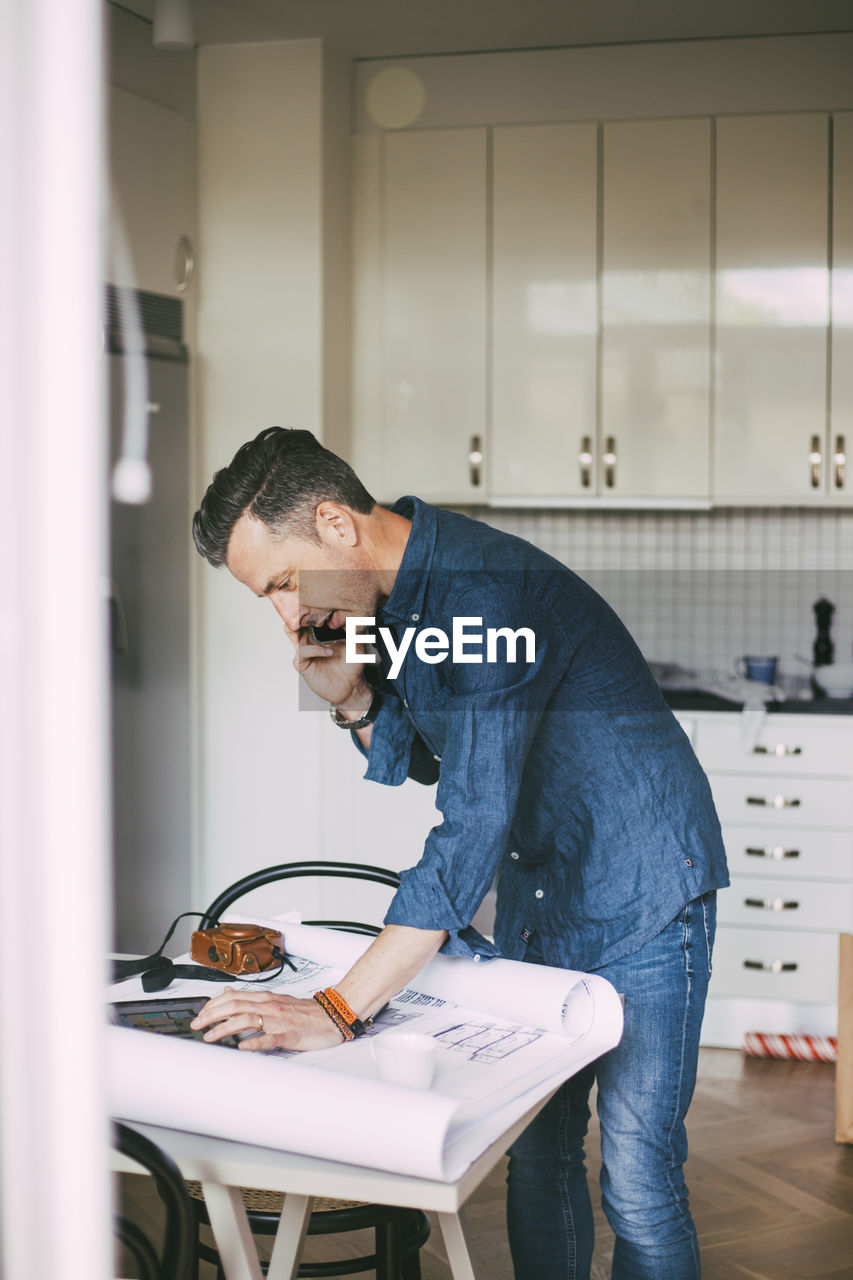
(307, 583)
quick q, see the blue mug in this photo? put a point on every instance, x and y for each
(761, 670)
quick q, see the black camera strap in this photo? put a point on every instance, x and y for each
(158, 971)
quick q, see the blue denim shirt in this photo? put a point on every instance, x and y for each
(568, 776)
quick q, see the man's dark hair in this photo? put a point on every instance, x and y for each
(280, 478)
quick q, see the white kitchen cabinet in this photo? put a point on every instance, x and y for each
(152, 195)
(544, 312)
(785, 804)
(772, 309)
(839, 476)
(633, 313)
(656, 309)
(420, 377)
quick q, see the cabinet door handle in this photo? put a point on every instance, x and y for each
(777, 904)
(839, 461)
(775, 802)
(778, 750)
(475, 461)
(776, 852)
(610, 462)
(585, 461)
(815, 461)
(183, 263)
(771, 966)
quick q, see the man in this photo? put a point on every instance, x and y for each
(560, 769)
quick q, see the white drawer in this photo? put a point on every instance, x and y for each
(767, 851)
(787, 904)
(775, 964)
(783, 802)
(787, 745)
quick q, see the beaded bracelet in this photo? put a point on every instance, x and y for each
(333, 1004)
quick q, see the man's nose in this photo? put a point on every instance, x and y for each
(286, 605)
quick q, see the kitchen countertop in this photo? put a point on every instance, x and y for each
(693, 700)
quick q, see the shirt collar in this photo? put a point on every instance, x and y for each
(406, 601)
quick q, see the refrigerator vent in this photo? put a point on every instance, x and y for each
(160, 316)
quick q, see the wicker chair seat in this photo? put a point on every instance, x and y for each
(258, 1201)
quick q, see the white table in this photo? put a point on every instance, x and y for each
(223, 1167)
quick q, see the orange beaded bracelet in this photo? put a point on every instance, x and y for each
(347, 1022)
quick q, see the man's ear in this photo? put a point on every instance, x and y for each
(335, 525)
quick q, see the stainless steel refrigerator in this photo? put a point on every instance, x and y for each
(149, 620)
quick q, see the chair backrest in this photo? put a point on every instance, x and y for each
(176, 1260)
(291, 870)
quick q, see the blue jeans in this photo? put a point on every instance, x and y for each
(644, 1089)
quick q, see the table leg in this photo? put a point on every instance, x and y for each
(230, 1226)
(289, 1237)
(462, 1265)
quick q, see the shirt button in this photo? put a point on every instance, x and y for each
(688, 862)
(405, 704)
(438, 758)
(416, 617)
(540, 893)
(514, 856)
(476, 956)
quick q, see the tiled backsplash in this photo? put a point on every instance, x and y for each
(702, 588)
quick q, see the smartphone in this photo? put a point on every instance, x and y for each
(328, 635)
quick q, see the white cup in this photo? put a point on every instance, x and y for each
(404, 1057)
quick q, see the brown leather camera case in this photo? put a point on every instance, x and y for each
(237, 948)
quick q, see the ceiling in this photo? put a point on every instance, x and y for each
(396, 28)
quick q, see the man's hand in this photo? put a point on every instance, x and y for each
(284, 1022)
(324, 670)
(388, 964)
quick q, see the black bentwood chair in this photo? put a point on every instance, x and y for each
(398, 1233)
(176, 1259)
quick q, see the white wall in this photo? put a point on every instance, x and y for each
(265, 159)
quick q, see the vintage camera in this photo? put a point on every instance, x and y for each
(241, 949)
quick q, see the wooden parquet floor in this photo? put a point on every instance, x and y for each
(771, 1191)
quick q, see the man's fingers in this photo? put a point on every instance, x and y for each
(308, 653)
(306, 647)
(229, 1004)
(236, 1022)
(255, 1043)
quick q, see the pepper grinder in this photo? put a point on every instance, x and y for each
(823, 650)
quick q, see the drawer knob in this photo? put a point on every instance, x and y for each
(771, 966)
(774, 802)
(777, 852)
(777, 904)
(780, 749)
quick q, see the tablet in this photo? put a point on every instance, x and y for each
(170, 1017)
